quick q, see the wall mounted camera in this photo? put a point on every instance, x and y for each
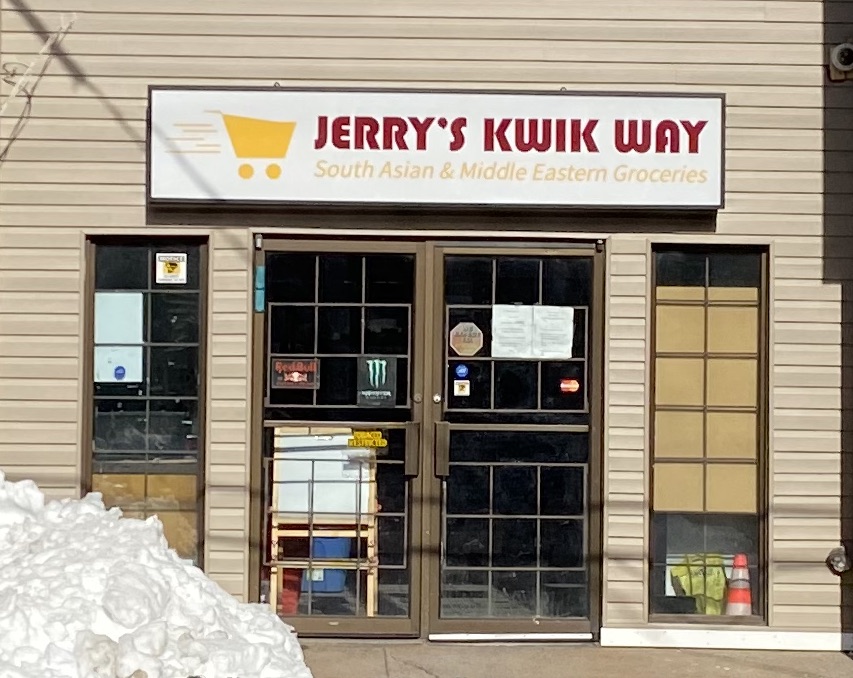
(838, 560)
(841, 61)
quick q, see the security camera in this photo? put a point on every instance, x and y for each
(841, 57)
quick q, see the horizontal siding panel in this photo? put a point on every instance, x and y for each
(626, 570)
(626, 526)
(806, 311)
(226, 562)
(39, 368)
(817, 355)
(230, 323)
(623, 614)
(29, 302)
(665, 10)
(805, 420)
(230, 281)
(622, 482)
(814, 595)
(225, 454)
(27, 239)
(92, 49)
(107, 195)
(52, 457)
(788, 461)
(233, 520)
(783, 94)
(84, 217)
(801, 551)
(45, 281)
(811, 398)
(794, 529)
(39, 389)
(626, 417)
(625, 592)
(407, 71)
(811, 507)
(630, 395)
(42, 412)
(40, 324)
(228, 345)
(802, 617)
(234, 584)
(796, 376)
(625, 461)
(227, 431)
(27, 347)
(38, 433)
(231, 496)
(626, 439)
(483, 27)
(806, 442)
(231, 302)
(228, 411)
(32, 261)
(810, 573)
(59, 476)
(806, 484)
(229, 367)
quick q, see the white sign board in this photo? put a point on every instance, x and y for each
(436, 148)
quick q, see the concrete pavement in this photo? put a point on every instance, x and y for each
(402, 659)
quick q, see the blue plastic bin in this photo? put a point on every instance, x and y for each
(334, 581)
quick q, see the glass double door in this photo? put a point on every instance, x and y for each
(430, 451)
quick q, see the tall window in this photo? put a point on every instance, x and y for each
(146, 373)
(708, 433)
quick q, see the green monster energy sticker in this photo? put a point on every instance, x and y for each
(377, 381)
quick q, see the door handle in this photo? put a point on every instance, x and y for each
(412, 459)
(442, 449)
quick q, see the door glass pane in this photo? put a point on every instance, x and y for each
(338, 522)
(353, 308)
(515, 525)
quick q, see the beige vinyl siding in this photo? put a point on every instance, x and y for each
(228, 414)
(79, 167)
(625, 443)
(40, 305)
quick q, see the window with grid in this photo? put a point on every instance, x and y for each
(707, 432)
(145, 454)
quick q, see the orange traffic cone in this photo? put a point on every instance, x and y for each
(739, 601)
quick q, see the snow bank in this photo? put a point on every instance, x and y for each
(85, 593)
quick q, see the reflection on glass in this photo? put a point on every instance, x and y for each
(291, 330)
(338, 518)
(340, 278)
(517, 280)
(514, 537)
(339, 330)
(290, 277)
(468, 280)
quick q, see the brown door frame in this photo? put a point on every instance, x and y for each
(434, 626)
(340, 626)
(425, 489)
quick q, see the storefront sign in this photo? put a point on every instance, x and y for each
(436, 148)
(377, 381)
(294, 373)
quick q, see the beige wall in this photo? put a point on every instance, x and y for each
(78, 168)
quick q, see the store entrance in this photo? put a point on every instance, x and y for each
(430, 453)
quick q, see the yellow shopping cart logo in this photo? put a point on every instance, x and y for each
(258, 139)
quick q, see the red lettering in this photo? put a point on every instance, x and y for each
(493, 134)
(667, 137)
(457, 131)
(693, 129)
(582, 136)
(560, 135)
(394, 134)
(529, 139)
(366, 129)
(421, 129)
(340, 132)
(635, 141)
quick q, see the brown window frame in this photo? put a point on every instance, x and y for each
(762, 439)
(164, 243)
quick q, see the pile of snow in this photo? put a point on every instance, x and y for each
(85, 593)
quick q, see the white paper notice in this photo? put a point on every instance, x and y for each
(118, 317)
(553, 332)
(118, 364)
(512, 331)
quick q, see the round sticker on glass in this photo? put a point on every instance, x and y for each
(461, 371)
(119, 373)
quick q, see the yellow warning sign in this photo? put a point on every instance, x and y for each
(367, 439)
